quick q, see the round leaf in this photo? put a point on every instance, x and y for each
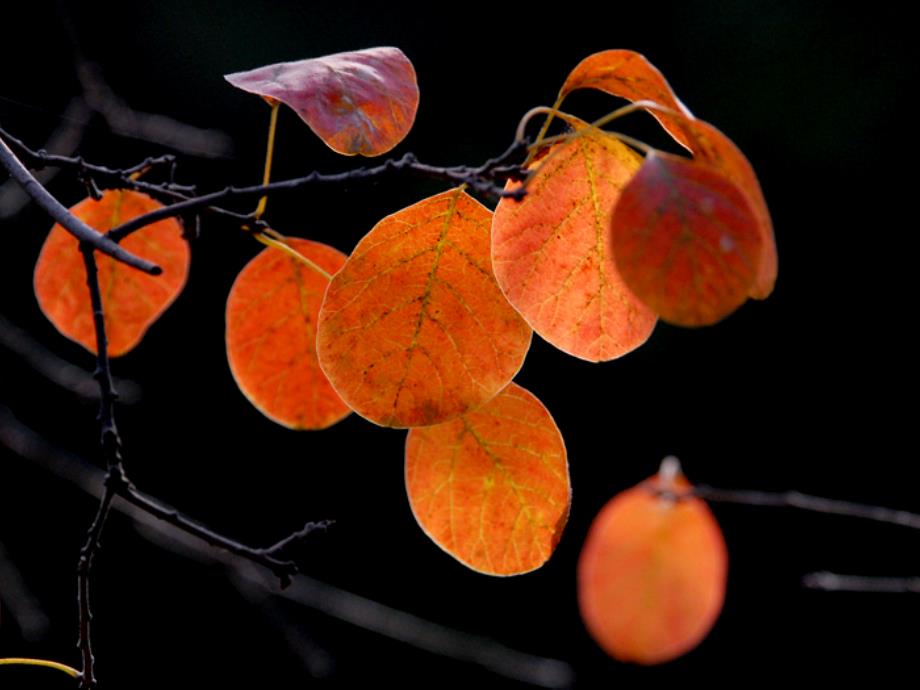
(551, 250)
(652, 572)
(414, 330)
(271, 336)
(362, 102)
(685, 240)
(492, 487)
(131, 300)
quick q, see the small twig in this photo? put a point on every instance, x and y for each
(478, 178)
(835, 582)
(814, 504)
(20, 602)
(65, 140)
(284, 570)
(74, 225)
(59, 371)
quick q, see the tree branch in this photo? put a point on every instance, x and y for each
(834, 582)
(814, 504)
(74, 225)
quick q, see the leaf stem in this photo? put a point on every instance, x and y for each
(17, 661)
(279, 242)
(269, 154)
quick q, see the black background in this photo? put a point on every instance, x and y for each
(812, 389)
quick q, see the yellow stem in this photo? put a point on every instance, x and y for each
(269, 153)
(281, 245)
(72, 672)
(545, 127)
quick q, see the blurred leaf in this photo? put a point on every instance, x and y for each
(685, 240)
(652, 571)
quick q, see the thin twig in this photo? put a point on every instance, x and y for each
(814, 504)
(56, 370)
(835, 582)
(479, 178)
(20, 601)
(71, 223)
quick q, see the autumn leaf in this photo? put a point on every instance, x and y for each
(652, 571)
(131, 300)
(712, 148)
(551, 250)
(628, 74)
(492, 487)
(361, 102)
(271, 335)
(686, 241)
(414, 330)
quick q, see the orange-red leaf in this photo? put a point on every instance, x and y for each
(492, 487)
(414, 329)
(685, 240)
(651, 577)
(627, 74)
(713, 148)
(271, 336)
(131, 300)
(551, 251)
(361, 102)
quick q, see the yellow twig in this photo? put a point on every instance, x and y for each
(270, 238)
(12, 661)
(269, 154)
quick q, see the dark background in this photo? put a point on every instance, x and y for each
(812, 389)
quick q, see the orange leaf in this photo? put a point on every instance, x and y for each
(627, 74)
(713, 148)
(271, 336)
(551, 253)
(492, 487)
(651, 576)
(414, 330)
(685, 240)
(362, 102)
(131, 300)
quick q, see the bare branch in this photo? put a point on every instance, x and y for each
(21, 603)
(56, 370)
(834, 582)
(74, 225)
(814, 504)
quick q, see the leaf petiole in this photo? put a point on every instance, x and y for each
(269, 153)
(15, 661)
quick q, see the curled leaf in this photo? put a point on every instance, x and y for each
(685, 240)
(131, 300)
(492, 487)
(628, 74)
(551, 250)
(414, 330)
(271, 336)
(361, 102)
(652, 572)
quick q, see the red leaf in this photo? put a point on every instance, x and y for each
(362, 102)
(652, 572)
(551, 253)
(685, 240)
(131, 300)
(627, 74)
(271, 336)
(414, 330)
(492, 487)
